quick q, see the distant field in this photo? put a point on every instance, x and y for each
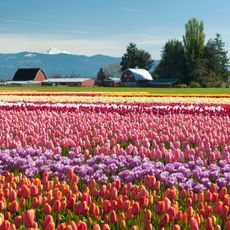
(117, 89)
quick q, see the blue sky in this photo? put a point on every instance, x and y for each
(105, 26)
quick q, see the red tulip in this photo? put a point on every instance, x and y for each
(144, 201)
(18, 221)
(193, 224)
(113, 216)
(47, 208)
(176, 227)
(135, 208)
(224, 212)
(164, 221)
(56, 206)
(12, 195)
(13, 207)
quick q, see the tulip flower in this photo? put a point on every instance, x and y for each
(164, 221)
(29, 218)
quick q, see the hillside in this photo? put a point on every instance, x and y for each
(56, 64)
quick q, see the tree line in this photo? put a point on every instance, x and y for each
(192, 61)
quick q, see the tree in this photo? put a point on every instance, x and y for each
(217, 57)
(100, 75)
(135, 57)
(112, 70)
(172, 63)
(193, 40)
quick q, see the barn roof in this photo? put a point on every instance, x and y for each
(141, 74)
(165, 81)
(66, 80)
(26, 74)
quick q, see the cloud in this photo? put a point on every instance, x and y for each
(53, 51)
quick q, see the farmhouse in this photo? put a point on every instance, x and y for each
(164, 82)
(29, 74)
(70, 82)
(112, 81)
(136, 77)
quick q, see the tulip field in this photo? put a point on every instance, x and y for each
(114, 160)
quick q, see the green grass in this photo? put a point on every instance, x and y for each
(117, 89)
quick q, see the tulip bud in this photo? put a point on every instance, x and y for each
(18, 221)
(164, 221)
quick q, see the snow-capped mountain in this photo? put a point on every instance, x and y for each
(54, 62)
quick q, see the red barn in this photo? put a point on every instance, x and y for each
(29, 74)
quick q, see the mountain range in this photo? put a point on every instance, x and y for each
(61, 64)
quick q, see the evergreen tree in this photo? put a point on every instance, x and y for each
(217, 57)
(172, 64)
(100, 75)
(135, 57)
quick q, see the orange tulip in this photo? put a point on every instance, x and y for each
(122, 224)
(157, 185)
(183, 194)
(164, 221)
(2, 205)
(13, 207)
(222, 193)
(105, 227)
(160, 207)
(150, 181)
(70, 173)
(147, 216)
(209, 224)
(1, 218)
(34, 190)
(144, 201)
(189, 202)
(208, 196)
(25, 192)
(129, 214)
(135, 227)
(190, 211)
(12, 195)
(176, 227)
(184, 219)
(172, 213)
(106, 206)
(7, 216)
(48, 220)
(218, 227)
(47, 208)
(28, 218)
(96, 227)
(73, 225)
(148, 226)
(71, 203)
(126, 205)
(61, 227)
(218, 206)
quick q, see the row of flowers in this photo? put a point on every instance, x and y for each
(111, 98)
(52, 204)
(156, 132)
(109, 94)
(194, 175)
